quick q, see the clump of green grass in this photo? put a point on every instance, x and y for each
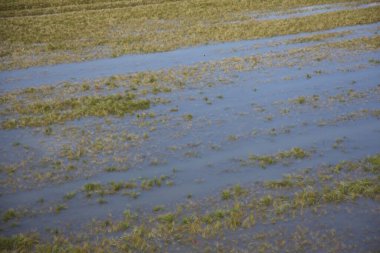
(85, 87)
(19, 243)
(91, 187)
(110, 169)
(267, 160)
(338, 143)
(128, 218)
(266, 200)
(129, 215)
(226, 194)
(115, 187)
(132, 194)
(158, 208)
(351, 190)
(288, 181)
(71, 153)
(374, 161)
(169, 183)
(238, 190)
(300, 100)
(305, 100)
(60, 208)
(343, 190)
(306, 198)
(235, 191)
(232, 138)
(10, 214)
(214, 216)
(69, 195)
(263, 161)
(147, 184)
(188, 117)
(296, 153)
(71, 167)
(166, 218)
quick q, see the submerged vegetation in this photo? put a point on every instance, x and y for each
(317, 37)
(366, 43)
(248, 208)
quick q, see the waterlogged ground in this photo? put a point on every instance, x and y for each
(267, 145)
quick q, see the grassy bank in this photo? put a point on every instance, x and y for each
(38, 33)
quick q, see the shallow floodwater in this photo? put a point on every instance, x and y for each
(75, 72)
(229, 122)
(312, 10)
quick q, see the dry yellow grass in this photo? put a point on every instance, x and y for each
(40, 32)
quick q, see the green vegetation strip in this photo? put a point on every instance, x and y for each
(47, 113)
(266, 160)
(127, 187)
(87, 34)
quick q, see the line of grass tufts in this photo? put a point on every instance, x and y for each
(55, 111)
(267, 160)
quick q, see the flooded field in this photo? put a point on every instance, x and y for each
(263, 145)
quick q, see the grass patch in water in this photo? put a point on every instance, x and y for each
(69, 195)
(166, 218)
(301, 100)
(233, 192)
(188, 117)
(126, 187)
(92, 187)
(288, 181)
(158, 208)
(52, 112)
(10, 214)
(267, 160)
(59, 208)
(18, 243)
